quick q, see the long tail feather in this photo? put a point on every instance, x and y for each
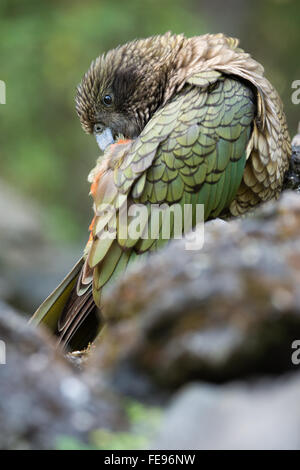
(74, 318)
(80, 321)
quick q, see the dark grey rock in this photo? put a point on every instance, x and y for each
(42, 396)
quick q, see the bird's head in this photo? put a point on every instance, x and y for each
(122, 89)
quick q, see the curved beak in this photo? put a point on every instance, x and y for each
(104, 139)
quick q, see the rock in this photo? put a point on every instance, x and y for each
(230, 310)
(263, 415)
(42, 397)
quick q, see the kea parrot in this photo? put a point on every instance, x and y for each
(179, 120)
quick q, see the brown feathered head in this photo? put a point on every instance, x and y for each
(122, 89)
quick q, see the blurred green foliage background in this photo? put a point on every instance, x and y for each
(45, 48)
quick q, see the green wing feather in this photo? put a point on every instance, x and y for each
(196, 144)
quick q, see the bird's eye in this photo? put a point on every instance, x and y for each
(98, 128)
(107, 100)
